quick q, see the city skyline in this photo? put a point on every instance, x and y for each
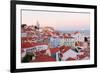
(58, 20)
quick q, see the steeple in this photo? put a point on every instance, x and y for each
(38, 25)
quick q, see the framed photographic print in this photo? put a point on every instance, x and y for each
(52, 36)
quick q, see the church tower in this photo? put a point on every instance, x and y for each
(38, 25)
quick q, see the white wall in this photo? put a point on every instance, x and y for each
(5, 36)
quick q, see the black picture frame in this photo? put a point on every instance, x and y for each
(13, 35)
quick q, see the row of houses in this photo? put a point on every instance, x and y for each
(52, 37)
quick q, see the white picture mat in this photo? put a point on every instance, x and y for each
(20, 65)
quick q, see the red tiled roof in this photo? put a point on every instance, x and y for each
(77, 32)
(23, 38)
(70, 59)
(26, 38)
(28, 29)
(69, 37)
(61, 49)
(78, 43)
(54, 50)
(28, 45)
(64, 49)
(36, 44)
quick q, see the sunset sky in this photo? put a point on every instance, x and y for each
(59, 20)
